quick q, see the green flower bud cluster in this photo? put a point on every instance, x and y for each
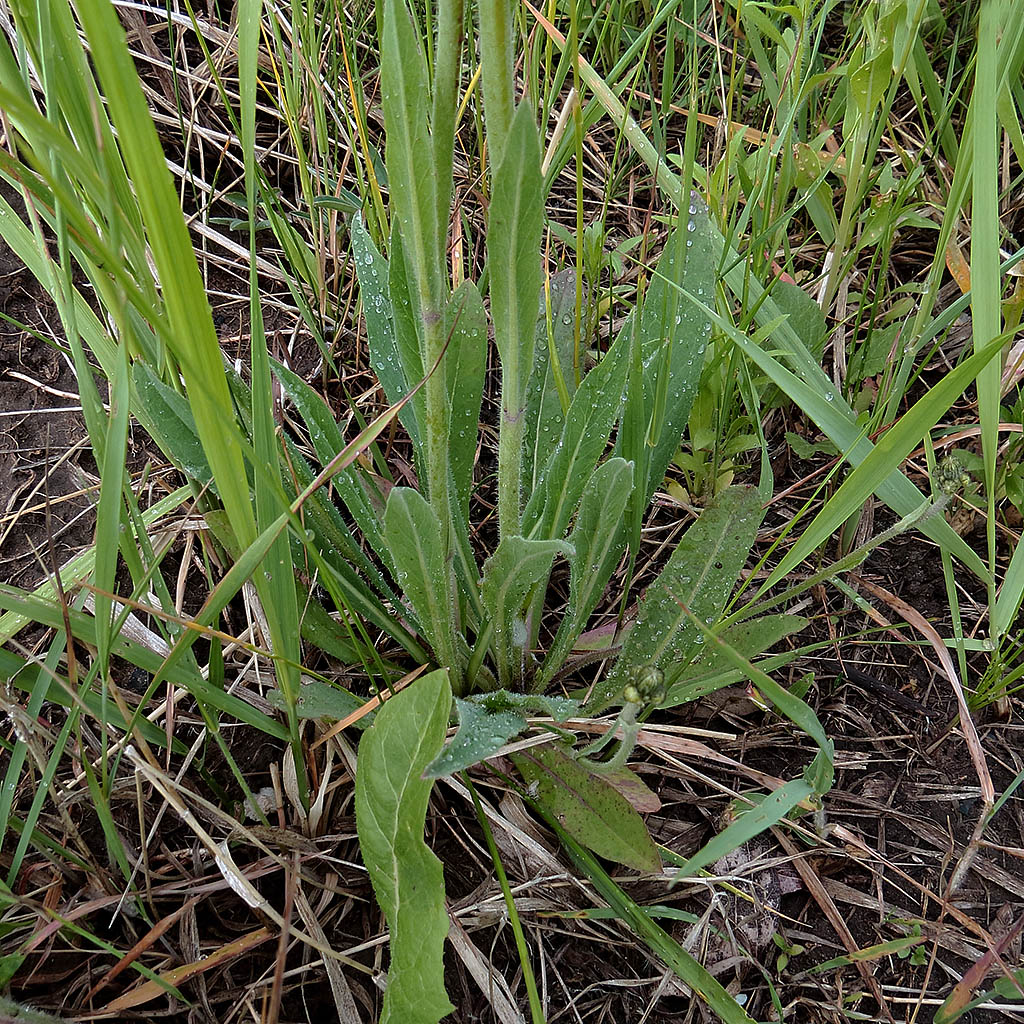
(950, 476)
(646, 686)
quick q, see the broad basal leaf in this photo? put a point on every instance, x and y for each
(375, 291)
(673, 334)
(414, 537)
(544, 413)
(391, 809)
(584, 436)
(465, 363)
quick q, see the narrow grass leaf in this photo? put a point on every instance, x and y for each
(391, 808)
(883, 459)
(188, 311)
(713, 671)
(750, 824)
(798, 711)
(707, 988)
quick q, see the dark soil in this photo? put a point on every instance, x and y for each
(44, 449)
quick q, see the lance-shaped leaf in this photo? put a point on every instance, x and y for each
(697, 580)
(513, 249)
(510, 574)
(591, 810)
(465, 363)
(673, 334)
(584, 436)
(414, 537)
(713, 670)
(391, 808)
(544, 413)
(597, 540)
(487, 721)
(413, 188)
(327, 441)
(375, 291)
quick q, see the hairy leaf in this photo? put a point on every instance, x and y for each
(509, 574)
(465, 362)
(487, 721)
(374, 276)
(391, 808)
(591, 810)
(544, 414)
(673, 334)
(513, 249)
(597, 540)
(414, 536)
(698, 578)
(584, 436)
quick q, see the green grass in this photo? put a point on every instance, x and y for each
(755, 210)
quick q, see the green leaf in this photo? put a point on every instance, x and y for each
(413, 186)
(597, 541)
(714, 671)
(414, 537)
(318, 699)
(487, 721)
(510, 573)
(699, 577)
(391, 809)
(749, 824)
(706, 987)
(374, 276)
(83, 627)
(544, 413)
(876, 466)
(465, 363)
(327, 440)
(820, 773)
(196, 345)
(584, 437)
(590, 809)
(172, 424)
(673, 335)
(330, 636)
(27, 677)
(513, 255)
(805, 315)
